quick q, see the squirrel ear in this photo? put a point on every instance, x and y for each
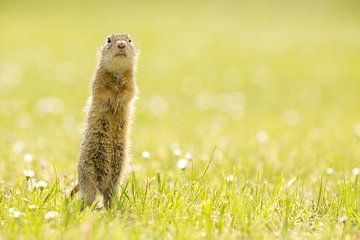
(109, 37)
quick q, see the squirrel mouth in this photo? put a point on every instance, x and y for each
(120, 55)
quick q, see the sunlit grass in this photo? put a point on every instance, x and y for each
(274, 88)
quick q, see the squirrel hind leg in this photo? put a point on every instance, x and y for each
(109, 195)
(87, 193)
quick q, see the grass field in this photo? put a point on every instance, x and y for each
(247, 123)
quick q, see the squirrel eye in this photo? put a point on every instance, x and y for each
(108, 40)
(130, 40)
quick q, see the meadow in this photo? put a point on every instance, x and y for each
(247, 123)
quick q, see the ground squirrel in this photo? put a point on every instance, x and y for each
(104, 148)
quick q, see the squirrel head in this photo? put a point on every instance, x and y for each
(118, 53)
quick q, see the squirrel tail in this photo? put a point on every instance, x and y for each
(74, 191)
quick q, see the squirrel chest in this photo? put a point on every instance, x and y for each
(110, 94)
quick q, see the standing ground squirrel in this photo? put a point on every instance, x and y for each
(104, 148)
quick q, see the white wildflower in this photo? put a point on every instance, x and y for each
(230, 178)
(51, 214)
(145, 155)
(329, 171)
(182, 163)
(342, 219)
(176, 152)
(188, 156)
(356, 171)
(28, 157)
(16, 214)
(33, 206)
(28, 174)
(41, 184)
(262, 137)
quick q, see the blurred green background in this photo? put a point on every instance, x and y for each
(273, 84)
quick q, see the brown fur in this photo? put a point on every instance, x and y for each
(104, 148)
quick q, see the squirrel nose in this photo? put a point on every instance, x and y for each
(121, 44)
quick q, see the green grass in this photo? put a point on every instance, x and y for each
(272, 87)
